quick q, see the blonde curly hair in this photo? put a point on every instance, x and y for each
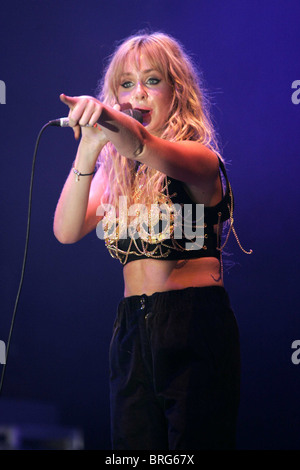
(189, 117)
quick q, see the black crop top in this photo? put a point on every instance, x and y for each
(188, 232)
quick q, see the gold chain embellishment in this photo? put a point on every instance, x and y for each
(148, 235)
(231, 227)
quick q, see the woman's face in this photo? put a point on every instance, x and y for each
(145, 89)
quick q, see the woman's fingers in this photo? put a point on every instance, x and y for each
(84, 113)
(77, 112)
(90, 114)
(68, 100)
(84, 110)
(77, 132)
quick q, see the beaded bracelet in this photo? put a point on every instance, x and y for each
(77, 173)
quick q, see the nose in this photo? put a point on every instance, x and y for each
(140, 92)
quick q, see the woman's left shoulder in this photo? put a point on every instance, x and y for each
(206, 161)
(206, 187)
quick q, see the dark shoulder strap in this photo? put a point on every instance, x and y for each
(222, 167)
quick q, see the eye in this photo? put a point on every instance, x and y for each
(153, 81)
(127, 84)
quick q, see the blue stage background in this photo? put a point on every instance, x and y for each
(249, 55)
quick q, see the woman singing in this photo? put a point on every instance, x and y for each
(174, 354)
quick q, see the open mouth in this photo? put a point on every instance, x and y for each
(146, 113)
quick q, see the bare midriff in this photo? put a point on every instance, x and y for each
(147, 276)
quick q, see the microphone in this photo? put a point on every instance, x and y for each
(64, 121)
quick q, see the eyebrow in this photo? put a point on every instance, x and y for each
(126, 74)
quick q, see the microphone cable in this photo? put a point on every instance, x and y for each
(50, 123)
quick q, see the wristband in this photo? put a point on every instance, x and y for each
(77, 173)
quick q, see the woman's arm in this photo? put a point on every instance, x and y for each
(75, 214)
(188, 161)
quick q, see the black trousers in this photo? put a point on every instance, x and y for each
(175, 371)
